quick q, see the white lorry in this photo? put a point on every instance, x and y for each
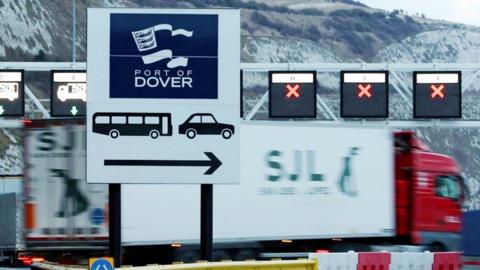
(303, 187)
(298, 181)
(302, 182)
(58, 212)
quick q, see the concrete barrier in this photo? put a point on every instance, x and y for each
(373, 260)
(315, 261)
(301, 264)
(336, 261)
(412, 261)
(446, 261)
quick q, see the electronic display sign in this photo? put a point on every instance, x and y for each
(437, 94)
(11, 93)
(68, 93)
(292, 94)
(364, 94)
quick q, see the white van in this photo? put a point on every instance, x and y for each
(72, 91)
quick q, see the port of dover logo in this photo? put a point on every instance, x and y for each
(164, 56)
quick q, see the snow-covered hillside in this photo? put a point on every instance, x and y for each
(25, 28)
(277, 31)
(11, 154)
(452, 45)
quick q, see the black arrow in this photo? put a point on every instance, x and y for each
(213, 162)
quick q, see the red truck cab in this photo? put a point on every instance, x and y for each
(428, 195)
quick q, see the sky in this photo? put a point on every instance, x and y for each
(462, 11)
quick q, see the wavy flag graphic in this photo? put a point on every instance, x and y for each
(145, 40)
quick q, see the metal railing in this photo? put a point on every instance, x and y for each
(470, 74)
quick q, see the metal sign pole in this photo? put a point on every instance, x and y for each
(241, 94)
(115, 223)
(74, 32)
(206, 222)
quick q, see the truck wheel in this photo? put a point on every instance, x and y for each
(436, 247)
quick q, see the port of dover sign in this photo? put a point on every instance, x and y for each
(163, 103)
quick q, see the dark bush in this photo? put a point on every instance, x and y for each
(355, 3)
(379, 15)
(409, 19)
(313, 33)
(40, 56)
(395, 13)
(263, 20)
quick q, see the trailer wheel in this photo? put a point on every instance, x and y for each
(188, 256)
(221, 255)
(349, 246)
(245, 254)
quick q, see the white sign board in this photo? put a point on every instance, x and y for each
(163, 104)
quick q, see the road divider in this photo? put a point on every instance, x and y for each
(316, 261)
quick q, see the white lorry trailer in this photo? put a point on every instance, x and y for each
(298, 181)
(58, 212)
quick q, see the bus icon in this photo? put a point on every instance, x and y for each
(72, 91)
(9, 91)
(132, 124)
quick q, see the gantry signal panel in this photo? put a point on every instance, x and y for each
(364, 94)
(437, 94)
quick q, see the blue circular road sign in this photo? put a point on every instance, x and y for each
(101, 264)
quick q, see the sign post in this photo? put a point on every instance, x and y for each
(206, 222)
(114, 223)
(163, 102)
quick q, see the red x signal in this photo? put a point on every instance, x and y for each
(293, 91)
(364, 90)
(437, 91)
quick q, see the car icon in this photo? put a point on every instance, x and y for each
(72, 91)
(205, 124)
